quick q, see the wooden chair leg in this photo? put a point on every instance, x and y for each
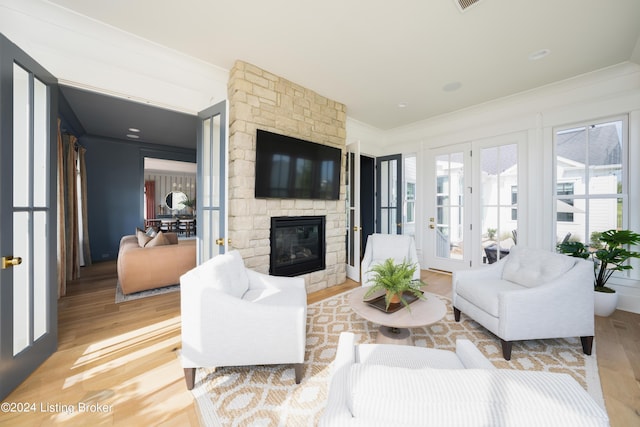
(456, 314)
(587, 344)
(190, 377)
(299, 370)
(506, 349)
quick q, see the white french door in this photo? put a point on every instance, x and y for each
(474, 204)
(28, 286)
(211, 183)
(447, 244)
(354, 228)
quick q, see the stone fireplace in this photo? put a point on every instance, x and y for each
(297, 245)
(261, 100)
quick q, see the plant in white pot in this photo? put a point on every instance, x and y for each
(609, 254)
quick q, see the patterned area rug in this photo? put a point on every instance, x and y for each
(268, 395)
(120, 297)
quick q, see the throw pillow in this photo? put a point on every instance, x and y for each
(159, 240)
(143, 238)
(151, 232)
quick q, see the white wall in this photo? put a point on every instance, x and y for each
(608, 92)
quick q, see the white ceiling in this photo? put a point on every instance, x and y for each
(373, 55)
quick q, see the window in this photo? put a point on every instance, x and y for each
(590, 180)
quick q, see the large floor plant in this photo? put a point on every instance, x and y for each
(609, 252)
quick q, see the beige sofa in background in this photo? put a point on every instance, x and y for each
(142, 268)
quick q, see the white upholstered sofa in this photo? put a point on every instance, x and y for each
(529, 294)
(234, 316)
(376, 385)
(380, 247)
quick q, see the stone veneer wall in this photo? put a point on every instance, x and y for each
(261, 100)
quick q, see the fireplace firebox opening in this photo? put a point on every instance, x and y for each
(297, 245)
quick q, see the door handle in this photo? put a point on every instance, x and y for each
(220, 241)
(9, 261)
(356, 228)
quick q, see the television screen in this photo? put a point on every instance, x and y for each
(291, 168)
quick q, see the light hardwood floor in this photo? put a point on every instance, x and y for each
(124, 356)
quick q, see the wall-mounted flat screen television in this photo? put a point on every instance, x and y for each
(291, 168)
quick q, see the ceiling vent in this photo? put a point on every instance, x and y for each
(465, 4)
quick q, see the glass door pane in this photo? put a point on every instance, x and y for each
(21, 284)
(40, 267)
(498, 200)
(21, 136)
(389, 186)
(40, 144)
(410, 183)
(450, 176)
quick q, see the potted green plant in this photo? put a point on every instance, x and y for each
(609, 254)
(190, 203)
(395, 279)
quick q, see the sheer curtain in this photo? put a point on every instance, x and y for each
(73, 236)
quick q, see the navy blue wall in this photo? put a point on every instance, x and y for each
(115, 187)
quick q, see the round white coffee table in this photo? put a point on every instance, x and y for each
(394, 327)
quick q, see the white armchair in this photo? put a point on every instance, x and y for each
(380, 247)
(233, 316)
(530, 294)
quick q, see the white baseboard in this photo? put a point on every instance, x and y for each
(628, 297)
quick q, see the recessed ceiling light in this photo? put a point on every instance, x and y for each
(136, 130)
(132, 136)
(452, 86)
(539, 54)
(402, 105)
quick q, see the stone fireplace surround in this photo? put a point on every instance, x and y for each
(261, 100)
